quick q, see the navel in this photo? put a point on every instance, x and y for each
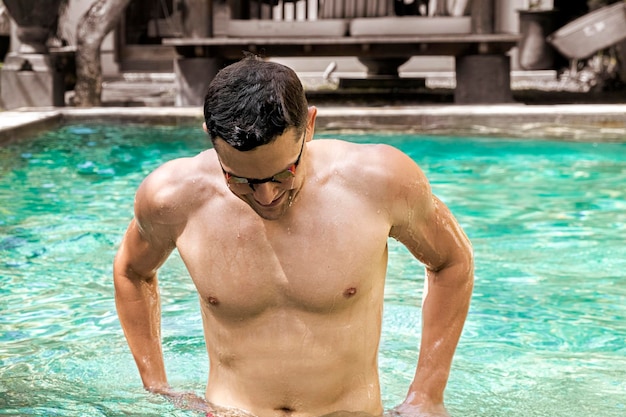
(349, 292)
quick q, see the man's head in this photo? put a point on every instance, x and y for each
(252, 102)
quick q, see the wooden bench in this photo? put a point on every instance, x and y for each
(482, 65)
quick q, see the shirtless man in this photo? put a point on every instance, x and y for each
(285, 239)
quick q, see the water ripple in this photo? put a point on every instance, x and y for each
(546, 331)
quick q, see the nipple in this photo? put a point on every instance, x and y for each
(212, 300)
(349, 292)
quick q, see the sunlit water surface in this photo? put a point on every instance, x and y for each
(546, 333)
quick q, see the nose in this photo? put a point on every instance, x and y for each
(265, 193)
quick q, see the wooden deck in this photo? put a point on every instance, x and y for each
(382, 43)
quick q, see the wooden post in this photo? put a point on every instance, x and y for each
(209, 18)
(198, 18)
(193, 76)
(483, 79)
(482, 12)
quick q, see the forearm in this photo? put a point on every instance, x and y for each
(138, 308)
(444, 310)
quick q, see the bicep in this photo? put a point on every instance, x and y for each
(436, 238)
(425, 225)
(148, 241)
(140, 254)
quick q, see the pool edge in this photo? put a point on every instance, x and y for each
(15, 125)
(606, 122)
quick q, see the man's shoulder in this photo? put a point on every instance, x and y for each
(170, 176)
(176, 181)
(373, 168)
(357, 150)
(374, 157)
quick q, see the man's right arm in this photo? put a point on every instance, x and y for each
(138, 305)
(145, 247)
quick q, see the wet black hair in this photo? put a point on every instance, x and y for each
(253, 101)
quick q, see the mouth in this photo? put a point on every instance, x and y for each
(276, 202)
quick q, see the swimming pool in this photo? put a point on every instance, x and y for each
(546, 333)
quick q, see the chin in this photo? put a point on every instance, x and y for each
(269, 216)
(273, 212)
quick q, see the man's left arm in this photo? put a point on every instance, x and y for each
(429, 230)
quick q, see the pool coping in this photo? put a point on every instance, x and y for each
(588, 122)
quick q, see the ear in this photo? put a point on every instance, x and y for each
(310, 124)
(206, 130)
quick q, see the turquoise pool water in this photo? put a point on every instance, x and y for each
(546, 333)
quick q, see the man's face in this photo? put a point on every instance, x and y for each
(268, 177)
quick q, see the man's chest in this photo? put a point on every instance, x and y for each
(245, 265)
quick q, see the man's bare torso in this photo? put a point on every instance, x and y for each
(291, 307)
